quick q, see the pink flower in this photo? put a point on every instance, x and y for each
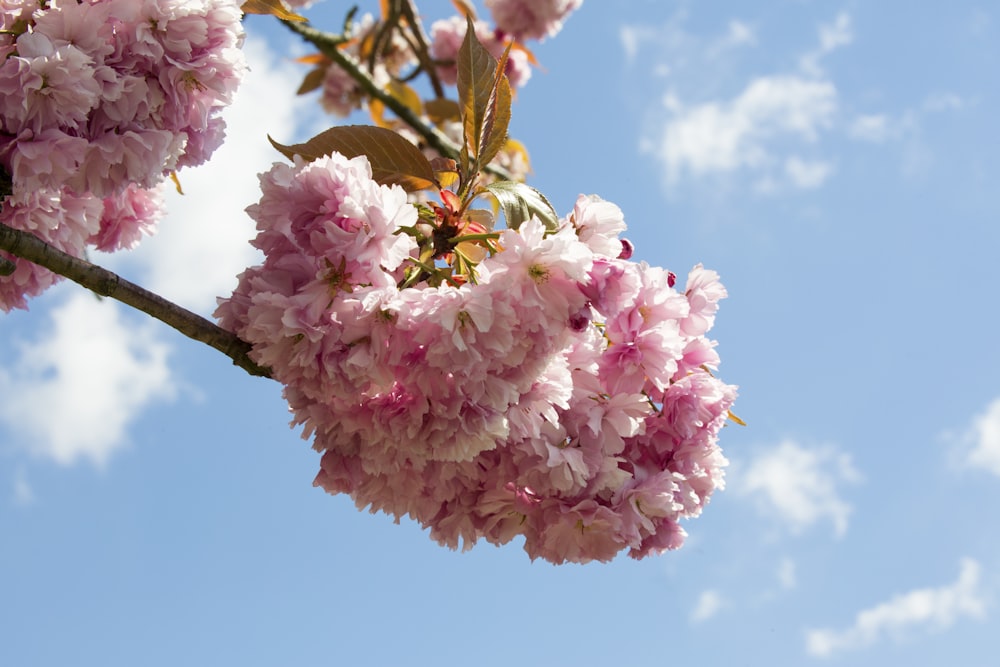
(598, 224)
(544, 270)
(531, 19)
(703, 292)
(45, 86)
(44, 160)
(127, 216)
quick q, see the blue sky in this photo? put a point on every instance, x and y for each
(836, 162)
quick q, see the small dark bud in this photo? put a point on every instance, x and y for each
(581, 320)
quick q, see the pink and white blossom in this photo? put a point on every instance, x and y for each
(99, 100)
(531, 19)
(558, 397)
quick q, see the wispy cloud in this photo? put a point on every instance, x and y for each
(786, 573)
(874, 128)
(202, 244)
(807, 174)
(723, 137)
(709, 604)
(921, 609)
(679, 43)
(71, 394)
(981, 441)
(832, 36)
(760, 131)
(799, 485)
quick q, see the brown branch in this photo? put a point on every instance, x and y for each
(106, 283)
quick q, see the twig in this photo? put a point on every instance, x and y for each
(106, 283)
(423, 52)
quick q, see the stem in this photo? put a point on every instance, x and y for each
(106, 283)
(422, 50)
(488, 236)
(435, 138)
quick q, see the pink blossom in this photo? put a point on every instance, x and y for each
(526, 402)
(703, 292)
(340, 93)
(98, 101)
(45, 86)
(531, 19)
(43, 160)
(126, 217)
(598, 224)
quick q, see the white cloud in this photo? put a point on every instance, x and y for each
(709, 604)
(632, 38)
(984, 436)
(201, 245)
(873, 127)
(832, 36)
(799, 485)
(786, 574)
(760, 131)
(925, 608)
(939, 102)
(807, 174)
(680, 47)
(722, 137)
(740, 34)
(669, 36)
(71, 394)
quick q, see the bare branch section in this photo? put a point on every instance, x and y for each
(109, 284)
(435, 138)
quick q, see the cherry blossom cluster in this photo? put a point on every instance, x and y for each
(563, 393)
(531, 19)
(99, 100)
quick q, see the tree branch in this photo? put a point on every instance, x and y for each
(106, 283)
(435, 138)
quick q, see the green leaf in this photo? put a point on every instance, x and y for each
(272, 7)
(484, 96)
(519, 202)
(393, 159)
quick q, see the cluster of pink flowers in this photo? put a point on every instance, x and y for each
(98, 101)
(564, 395)
(531, 19)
